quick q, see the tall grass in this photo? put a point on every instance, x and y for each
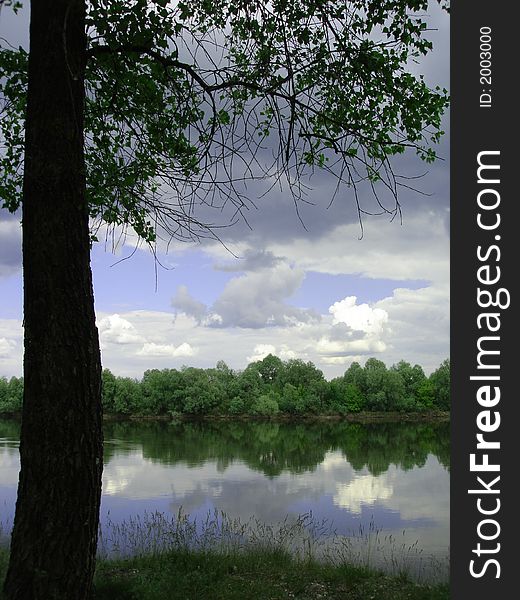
(303, 537)
(162, 557)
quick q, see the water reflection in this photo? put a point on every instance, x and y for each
(272, 448)
(393, 475)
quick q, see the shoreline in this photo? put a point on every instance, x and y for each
(361, 417)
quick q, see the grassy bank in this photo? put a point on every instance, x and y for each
(158, 555)
(254, 574)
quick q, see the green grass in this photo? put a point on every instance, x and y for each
(258, 575)
(255, 575)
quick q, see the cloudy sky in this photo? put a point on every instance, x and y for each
(317, 292)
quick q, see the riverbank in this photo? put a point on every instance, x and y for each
(361, 417)
(254, 574)
(438, 416)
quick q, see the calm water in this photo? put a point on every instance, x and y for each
(385, 481)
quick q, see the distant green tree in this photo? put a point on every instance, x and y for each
(200, 400)
(223, 368)
(270, 369)
(3, 394)
(298, 372)
(236, 406)
(412, 377)
(356, 375)
(354, 399)
(157, 391)
(127, 396)
(384, 388)
(108, 390)
(374, 365)
(425, 395)
(201, 391)
(394, 389)
(248, 386)
(291, 399)
(11, 395)
(375, 371)
(345, 397)
(335, 395)
(266, 405)
(441, 381)
(312, 402)
(222, 381)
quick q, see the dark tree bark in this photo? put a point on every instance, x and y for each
(55, 529)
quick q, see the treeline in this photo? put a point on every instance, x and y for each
(266, 388)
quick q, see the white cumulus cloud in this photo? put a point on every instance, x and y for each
(331, 348)
(260, 351)
(356, 329)
(360, 317)
(152, 349)
(116, 330)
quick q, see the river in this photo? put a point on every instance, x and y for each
(384, 485)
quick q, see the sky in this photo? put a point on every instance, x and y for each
(313, 291)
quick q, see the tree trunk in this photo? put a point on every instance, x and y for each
(57, 512)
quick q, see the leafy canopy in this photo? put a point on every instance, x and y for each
(187, 102)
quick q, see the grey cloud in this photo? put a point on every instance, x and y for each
(368, 351)
(252, 260)
(257, 300)
(183, 301)
(342, 332)
(10, 245)
(254, 300)
(275, 219)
